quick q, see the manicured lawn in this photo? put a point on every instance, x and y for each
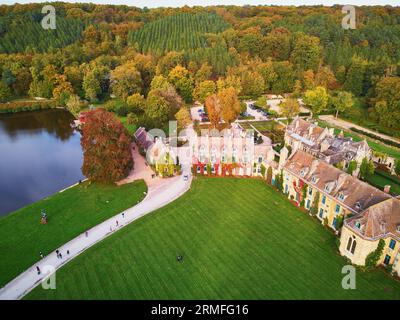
(262, 125)
(240, 240)
(130, 127)
(70, 213)
(380, 181)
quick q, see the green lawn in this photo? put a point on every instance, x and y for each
(380, 181)
(70, 213)
(262, 125)
(130, 127)
(240, 240)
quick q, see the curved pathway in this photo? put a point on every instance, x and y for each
(160, 193)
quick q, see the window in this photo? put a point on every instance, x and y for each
(321, 213)
(198, 169)
(202, 154)
(353, 247)
(260, 159)
(314, 178)
(337, 208)
(273, 181)
(245, 156)
(341, 196)
(323, 199)
(223, 154)
(234, 155)
(310, 191)
(212, 169)
(351, 244)
(392, 244)
(387, 260)
(334, 222)
(286, 189)
(213, 154)
(308, 204)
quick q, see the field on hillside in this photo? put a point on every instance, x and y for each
(178, 32)
(240, 239)
(70, 213)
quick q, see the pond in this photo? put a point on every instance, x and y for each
(40, 154)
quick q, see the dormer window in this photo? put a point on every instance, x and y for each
(358, 206)
(398, 228)
(358, 225)
(314, 178)
(302, 172)
(341, 196)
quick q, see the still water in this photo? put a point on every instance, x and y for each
(40, 154)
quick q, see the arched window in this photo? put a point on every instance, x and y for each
(234, 154)
(213, 154)
(223, 155)
(353, 247)
(245, 156)
(351, 244)
(202, 154)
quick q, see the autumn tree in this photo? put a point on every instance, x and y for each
(5, 92)
(126, 80)
(74, 104)
(182, 81)
(183, 117)
(317, 99)
(136, 103)
(106, 148)
(203, 90)
(289, 108)
(213, 107)
(230, 105)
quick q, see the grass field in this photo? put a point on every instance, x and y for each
(70, 213)
(262, 125)
(380, 181)
(240, 240)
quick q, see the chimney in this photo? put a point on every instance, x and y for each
(386, 189)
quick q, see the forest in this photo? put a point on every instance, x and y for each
(150, 63)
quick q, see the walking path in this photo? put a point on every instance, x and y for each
(347, 125)
(160, 193)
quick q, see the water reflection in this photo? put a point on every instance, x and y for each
(39, 154)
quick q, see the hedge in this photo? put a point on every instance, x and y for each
(374, 136)
(13, 107)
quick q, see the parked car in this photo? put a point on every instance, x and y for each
(185, 177)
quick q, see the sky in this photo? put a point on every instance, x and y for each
(180, 3)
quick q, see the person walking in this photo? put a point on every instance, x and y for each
(123, 214)
(38, 269)
(58, 253)
(117, 223)
(86, 234)
(41, 254)
(68, 252)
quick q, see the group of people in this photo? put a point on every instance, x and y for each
(58, 252)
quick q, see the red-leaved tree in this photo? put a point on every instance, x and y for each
(106, 148)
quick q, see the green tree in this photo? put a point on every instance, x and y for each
(342, 102)
(269, 175)
(74, 104)
(366, 168)
(317, 99)
(352, 166)
(5, 92)
(306, 53)
(136, 103)
(126, 80)
(315, 203)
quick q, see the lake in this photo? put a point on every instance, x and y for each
(40, 154)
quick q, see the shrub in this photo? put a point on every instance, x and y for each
(372, 259)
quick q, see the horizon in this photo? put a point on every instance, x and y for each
(206, 3)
